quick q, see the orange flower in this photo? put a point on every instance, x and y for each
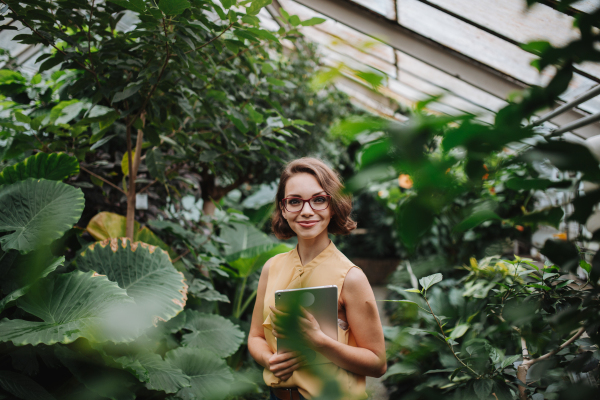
(519, 228)
(485, 167)
(485, 176)
(492, 190)
(561, 236)
(448, 170)
(404, 181)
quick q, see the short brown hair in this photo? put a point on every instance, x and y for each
(341, 204)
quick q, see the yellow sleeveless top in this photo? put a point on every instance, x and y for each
(287, 272)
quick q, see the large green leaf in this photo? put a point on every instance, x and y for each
(107, 225)
(144, 271)
(209, 375)
(71, 306)
(25, 271)
(54, 167)
(111, 383)
(37, 212)
(212, 332)
(161, 375)
(245, 241)
(23, 387)
(246, 266)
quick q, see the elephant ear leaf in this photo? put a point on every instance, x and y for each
(39, 211)
(54, 167)
(25, 271)
(144, 271)
(71, 306)
(161, 375)
(212, 332)
(245, 241)
(23, 387)
(209, 375)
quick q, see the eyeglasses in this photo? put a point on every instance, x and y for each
(295, 204)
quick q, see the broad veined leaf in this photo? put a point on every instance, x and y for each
(245, 241)
(23, 387)
(54, 167)
(209, 374)
(111, 383)
(161, 374)
(25, 271)
(37, 212)
(107, 225)
(173, 7)
(428, 281)
(144, 271)
(246, 266)
(71, 306)
(483, 388)
(212, 332)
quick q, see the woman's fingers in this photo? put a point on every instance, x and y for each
(285, 377)
(288, 367)
(282, 361)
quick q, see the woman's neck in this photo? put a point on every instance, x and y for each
(308, 249)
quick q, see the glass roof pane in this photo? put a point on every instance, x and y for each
(341, 31)
(468, 40)
(587, 6)
(448, 82)
(512, 19)
(387, 8)
(342, 47)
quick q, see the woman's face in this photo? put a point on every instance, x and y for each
(306, 223)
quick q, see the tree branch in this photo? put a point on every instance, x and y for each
(102, 179)
(565, 344)
(211, 40)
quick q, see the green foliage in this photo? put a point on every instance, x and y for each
(211, 332)
(52, 208)
(482, 190)
(70, 306)
(145, 272)
(55, 167)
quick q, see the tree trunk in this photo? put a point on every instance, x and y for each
(133, 169)
(522, 376)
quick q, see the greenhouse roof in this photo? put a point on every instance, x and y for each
(467, 50)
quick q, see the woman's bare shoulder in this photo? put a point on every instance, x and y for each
(356, 287)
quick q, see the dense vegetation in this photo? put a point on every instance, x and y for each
(462, 194)
(101, 298)
(193, 112)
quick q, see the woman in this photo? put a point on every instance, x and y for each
(310, 206)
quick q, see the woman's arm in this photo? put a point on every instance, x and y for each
(282, 365)
(363, 319)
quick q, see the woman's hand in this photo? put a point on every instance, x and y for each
(284, 364)
(309, 327)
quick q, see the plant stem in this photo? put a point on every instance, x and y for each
(211, 40)
(101, 178)
(239, 298)
(248, 301)
(446, 339)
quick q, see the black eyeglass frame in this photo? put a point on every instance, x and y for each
(282, 202)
